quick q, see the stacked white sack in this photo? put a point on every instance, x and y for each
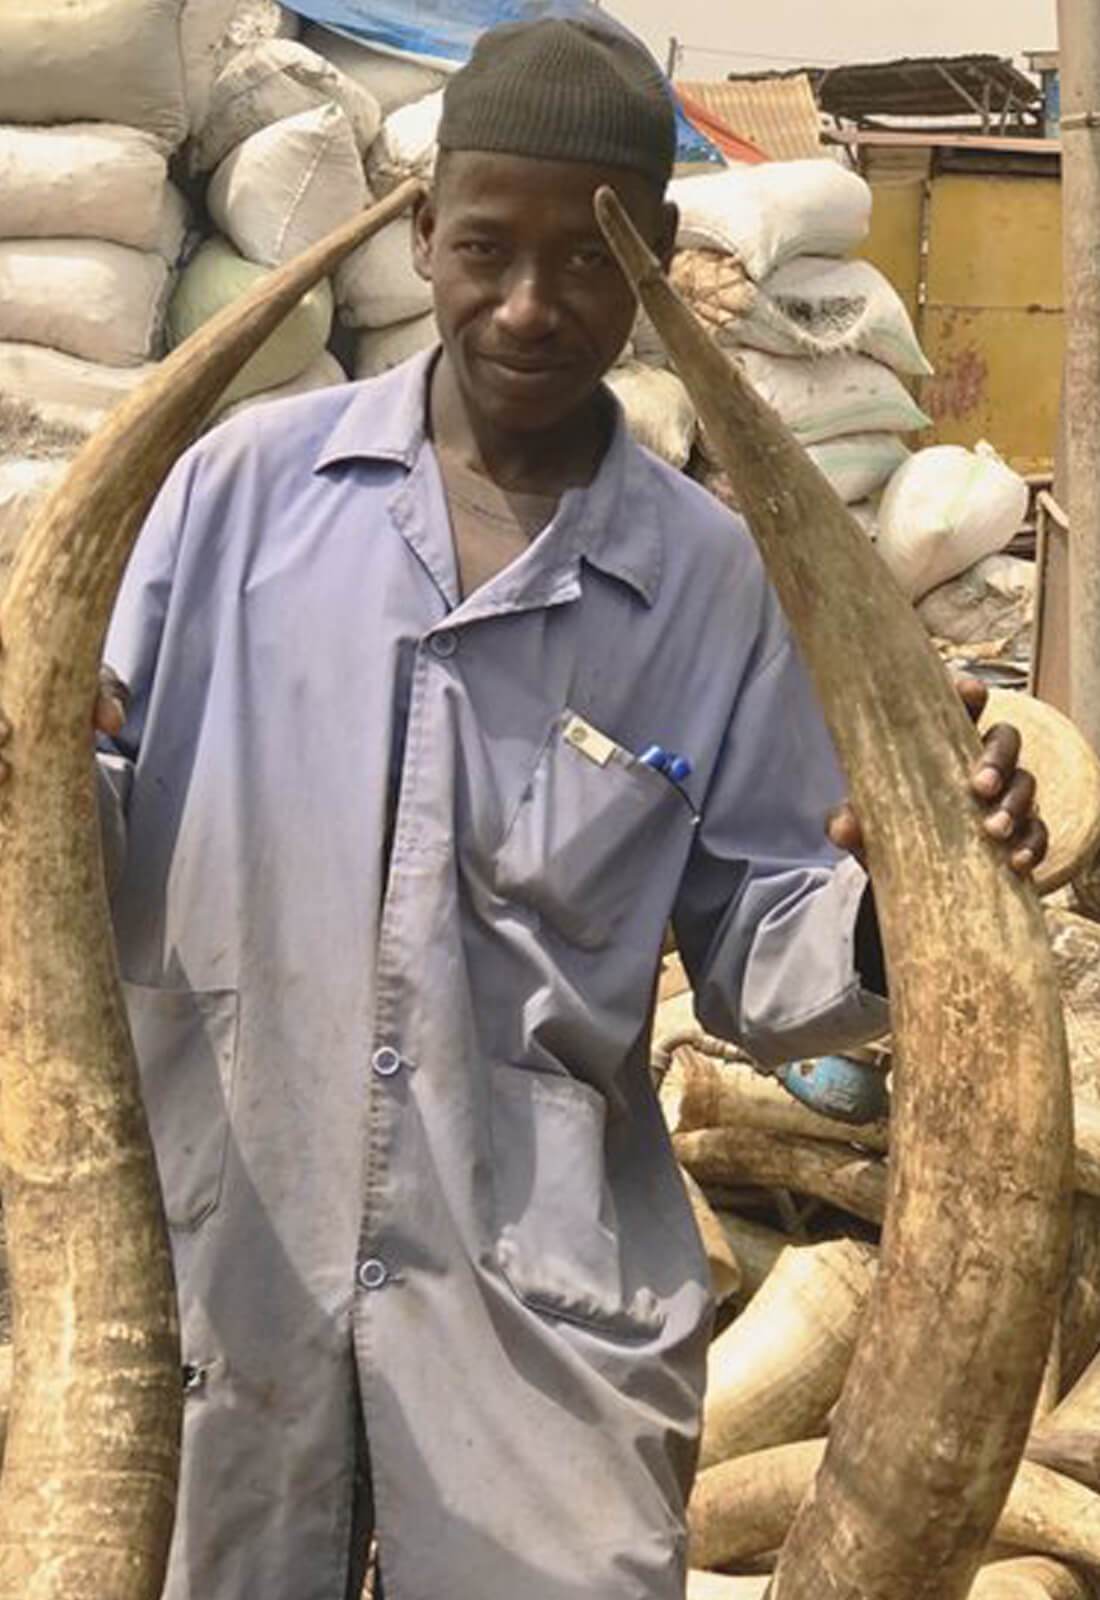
(391, 81)
(378, 289)
(203, 27)
(33, 458)
(766, 215)
(288, 185)
(216, 276)
(406, 145)
(62, 391)
(212, 32)
(322, 373)
(264, 83)
(92, 102)
(378, 285)
(944, 511)
(826, 341)
(90, 233)
(279, 186)
(994, 601)
(115, 61)
(658, 408)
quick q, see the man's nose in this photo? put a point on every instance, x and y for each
(527, 310)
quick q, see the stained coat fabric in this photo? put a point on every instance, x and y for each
(389, 915)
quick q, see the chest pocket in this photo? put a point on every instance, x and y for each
(590, 817)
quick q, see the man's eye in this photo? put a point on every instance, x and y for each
(589, 258)
(479, 249)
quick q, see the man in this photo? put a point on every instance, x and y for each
(396, 877)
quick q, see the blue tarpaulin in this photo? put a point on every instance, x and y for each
(442, 33)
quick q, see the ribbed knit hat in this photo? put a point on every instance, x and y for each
(563, 91)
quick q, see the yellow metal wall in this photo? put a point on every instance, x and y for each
(897, 222)
(990, 315)
(992, 324)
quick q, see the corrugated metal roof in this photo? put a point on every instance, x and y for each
(900, 139)
(984, 86)
(779, 115)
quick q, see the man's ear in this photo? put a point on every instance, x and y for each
(666, 236)
(423, 229)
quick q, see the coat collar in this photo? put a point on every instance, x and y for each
(614, 519)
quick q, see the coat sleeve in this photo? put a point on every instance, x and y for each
(132, 648)
(767, 914)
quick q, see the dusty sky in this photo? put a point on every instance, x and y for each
(742, 37)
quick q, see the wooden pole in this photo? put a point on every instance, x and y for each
(1079, 29)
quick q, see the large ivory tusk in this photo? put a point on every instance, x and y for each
(87, 1496)
(775, 1374)
(1068, 1439)
(1028, 1578)
(744, 1508)
(1080, 1314)
(699, 1092)
(937, 1405)
(756, 1247)
(713, 1586)
(1032, 1578)
(834, 1172)
(725, 1272)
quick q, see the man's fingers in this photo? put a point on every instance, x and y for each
(974, 695)
(1014, 808)
(112, 703)
(110, 714)
(843, 829)
(997, 763)
(1030, 848)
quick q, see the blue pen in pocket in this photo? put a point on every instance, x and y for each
(677, 769)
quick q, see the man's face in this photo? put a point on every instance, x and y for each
(531, 305)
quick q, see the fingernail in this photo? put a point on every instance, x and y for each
(1023, 860)
(1000, 825)
(987, 780)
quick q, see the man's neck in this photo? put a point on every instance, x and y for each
(565, 456)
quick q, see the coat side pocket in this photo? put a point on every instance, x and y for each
(556, 1241)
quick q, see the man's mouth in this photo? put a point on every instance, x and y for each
(526, 367)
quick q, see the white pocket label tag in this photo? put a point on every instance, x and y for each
(589, 741)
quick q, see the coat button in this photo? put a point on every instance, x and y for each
(386, 1061)
(372, 1274)
(443, 644)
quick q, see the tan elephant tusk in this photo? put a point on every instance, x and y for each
(743, 1509)
(936, 1408)
(776, 1372)
(87, 1495)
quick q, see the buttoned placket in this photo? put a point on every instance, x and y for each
(438, 655)
(388, 1061)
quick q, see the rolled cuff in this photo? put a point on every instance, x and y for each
(803, 994)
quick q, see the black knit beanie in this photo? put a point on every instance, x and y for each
(563, 91)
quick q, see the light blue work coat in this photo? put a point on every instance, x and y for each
(390, 912)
